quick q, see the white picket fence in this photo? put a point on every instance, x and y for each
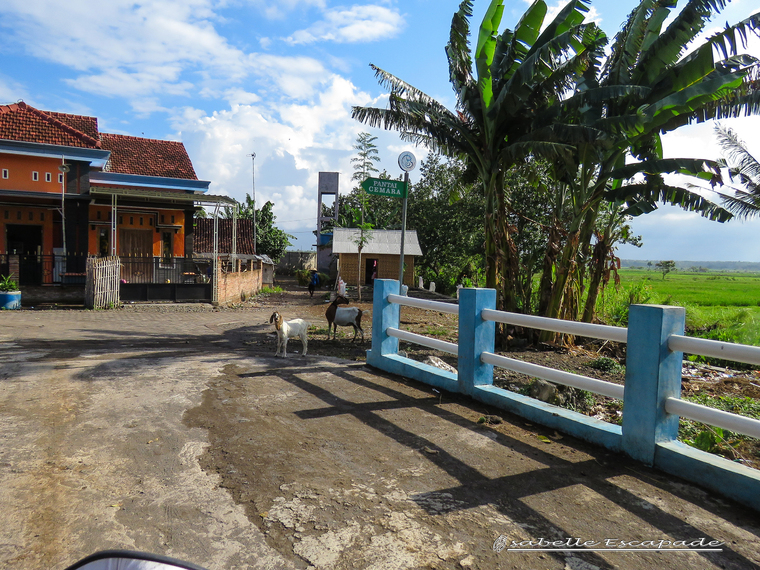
(102, 286)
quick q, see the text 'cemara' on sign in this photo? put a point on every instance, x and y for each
(380, 187)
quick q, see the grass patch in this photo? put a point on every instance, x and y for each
(436, 331)
(719, 306)
(270, 290)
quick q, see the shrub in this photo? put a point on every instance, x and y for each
(606, 364)
(8, 285)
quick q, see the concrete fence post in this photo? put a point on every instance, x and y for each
(384, 314)
(475, 337)
(653, 374)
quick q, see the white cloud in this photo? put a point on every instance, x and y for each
(293, 142)
(591, 16)
(11, 90)
(123, 48)
(350, 25)
(281, 8)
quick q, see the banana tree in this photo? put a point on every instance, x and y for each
(646, 87)
(505, 109)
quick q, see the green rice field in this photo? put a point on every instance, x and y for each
(721, 305)
(724, 289)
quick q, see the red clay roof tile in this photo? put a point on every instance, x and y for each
(22, 122)
(147, 157)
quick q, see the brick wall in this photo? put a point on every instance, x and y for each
(387, 267)
(236, 287)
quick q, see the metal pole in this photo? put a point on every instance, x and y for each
(63, 168)
(253, 174)
(113, 224)
(233, 253)
(403, 231)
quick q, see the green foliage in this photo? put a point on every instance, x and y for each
(8, 285)
(665, 267)
(616, 301)
(606, 364)
(270, 240)
(366, 157)
(448, 217)
(269, 290)
(708, 440)
(553, 89)
(743, 168)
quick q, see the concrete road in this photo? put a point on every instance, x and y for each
(178, 433)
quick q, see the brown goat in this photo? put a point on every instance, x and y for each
(345, 317)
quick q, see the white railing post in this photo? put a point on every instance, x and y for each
(476, 336)
(653, 374)
(384, 314)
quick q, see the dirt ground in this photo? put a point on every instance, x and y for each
(173, 429)
(580, 358)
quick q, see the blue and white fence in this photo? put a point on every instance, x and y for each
(651, 394)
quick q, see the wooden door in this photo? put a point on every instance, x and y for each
(136, 253)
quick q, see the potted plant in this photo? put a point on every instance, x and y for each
(10, 296)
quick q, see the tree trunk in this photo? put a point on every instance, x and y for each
(359, 278)
(509, 264)
(490, 239)
(598, 264)
(553, 247)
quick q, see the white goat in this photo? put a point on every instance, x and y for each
(345, 317)
(287, 330)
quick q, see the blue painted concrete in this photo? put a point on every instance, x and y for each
(713, 472)
(475, 337)
(419, 371)
(652, 374)
(575, 424)
(384, 315)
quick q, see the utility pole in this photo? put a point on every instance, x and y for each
(253, 173)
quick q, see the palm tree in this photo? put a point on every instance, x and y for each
(503, 114)
(742, 167)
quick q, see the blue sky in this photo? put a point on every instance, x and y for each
(232, 77)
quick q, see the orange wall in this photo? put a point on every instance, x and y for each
(20, 170)
(131, 220)
(20, 215)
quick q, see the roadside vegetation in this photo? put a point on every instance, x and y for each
(721, 306)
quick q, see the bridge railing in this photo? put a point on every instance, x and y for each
(651, 399)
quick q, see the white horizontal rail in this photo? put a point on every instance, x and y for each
(452, 308)
(713, 417)
(434, 343)
(715, 348)
(553, 375)
(617, 334)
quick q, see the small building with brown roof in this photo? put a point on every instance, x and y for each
(380, 257)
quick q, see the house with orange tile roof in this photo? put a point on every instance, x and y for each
(68, 191)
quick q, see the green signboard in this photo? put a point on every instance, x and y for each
(390, 188)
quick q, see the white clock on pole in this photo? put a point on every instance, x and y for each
(407, 161)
